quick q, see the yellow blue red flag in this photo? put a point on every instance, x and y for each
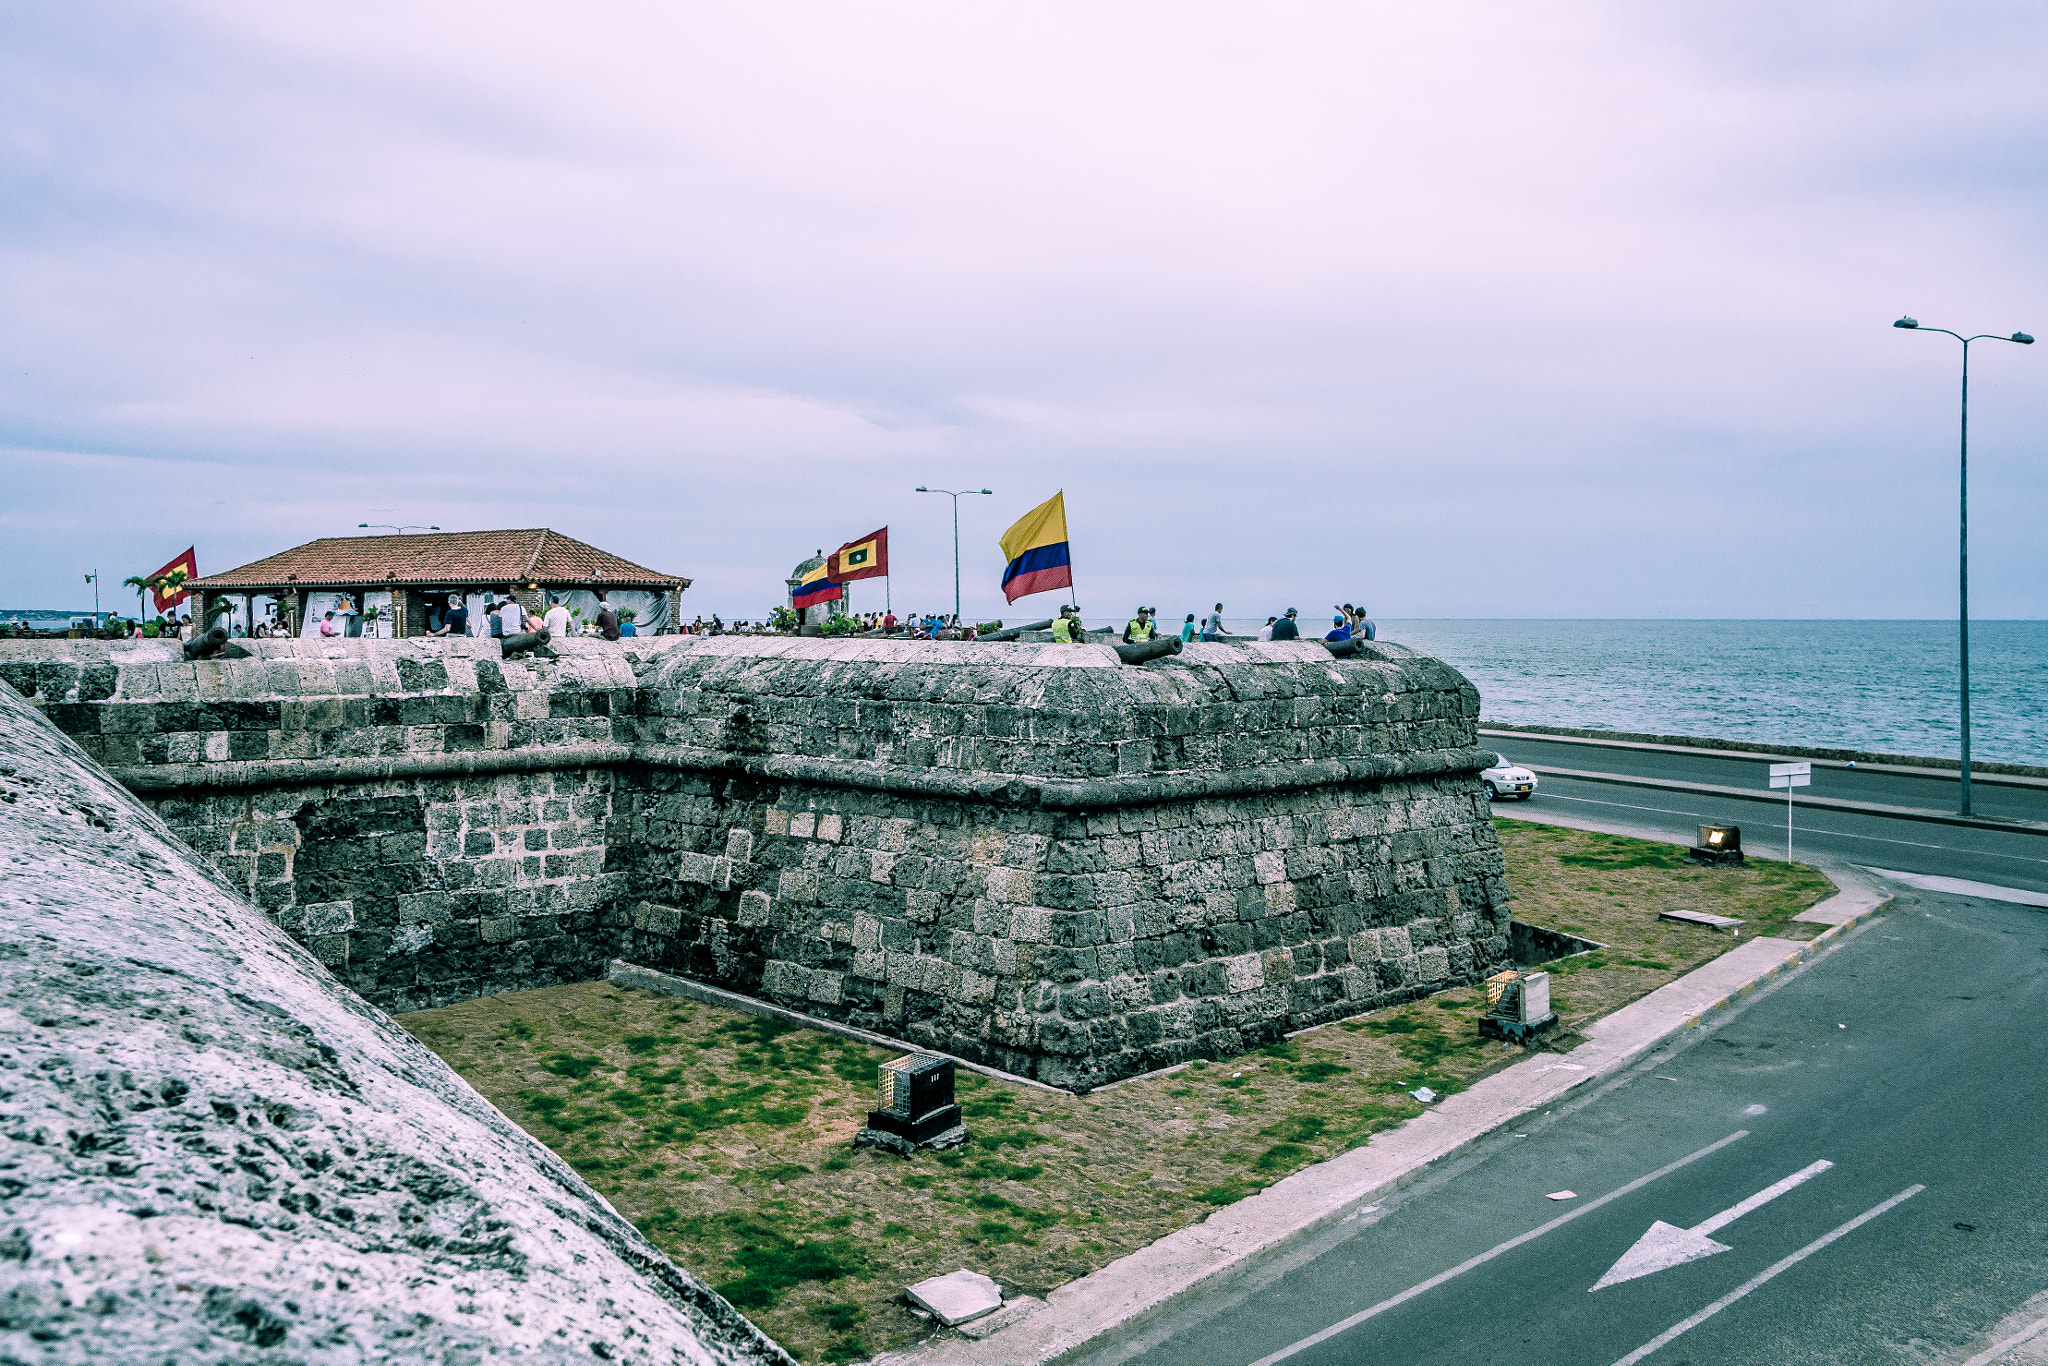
(1036, 548)
(817, 587)
(866, 558)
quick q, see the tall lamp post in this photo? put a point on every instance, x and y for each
(94, 579)
(956, 538)
(386, 526)
(1963, 529)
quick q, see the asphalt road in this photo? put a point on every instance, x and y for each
(1910, 1058)
(1930, 790)
(2005, 858)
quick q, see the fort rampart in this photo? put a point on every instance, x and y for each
(1031, 855)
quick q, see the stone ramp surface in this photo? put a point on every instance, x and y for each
(210, 1151)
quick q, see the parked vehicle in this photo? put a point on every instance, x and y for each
(1507, 779)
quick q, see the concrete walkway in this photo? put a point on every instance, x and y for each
(1038, 1333)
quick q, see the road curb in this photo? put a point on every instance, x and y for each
(1144, 1283)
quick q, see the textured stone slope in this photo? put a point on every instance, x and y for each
(211, 1152)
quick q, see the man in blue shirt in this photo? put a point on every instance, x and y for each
(455, 621)
(1340, 629)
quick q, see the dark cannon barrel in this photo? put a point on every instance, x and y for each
(1012, 632)
(1344, 649)
(1157, 648)
(207, 644)
(525, 640)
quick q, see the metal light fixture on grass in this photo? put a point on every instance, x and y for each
(1717, 844)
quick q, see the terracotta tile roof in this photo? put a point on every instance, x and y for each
(436, 559)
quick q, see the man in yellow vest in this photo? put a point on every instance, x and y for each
(1068, 630)
(1139, 628)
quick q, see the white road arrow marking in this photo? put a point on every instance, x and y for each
(1666, 1245)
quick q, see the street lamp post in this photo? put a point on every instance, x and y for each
(956, 538)
(94, 579)
(386, 526)
(1963, 530)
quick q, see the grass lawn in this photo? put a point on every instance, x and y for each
(725, 1137)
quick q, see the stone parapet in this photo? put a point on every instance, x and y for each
(212, 1152)
(1027, 854)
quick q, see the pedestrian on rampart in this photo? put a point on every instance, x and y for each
(607, 619)
(1285, 628)
(1212, 628)
(1266, 631)
(1139, 629)
(1187, 629)
(1068, 630)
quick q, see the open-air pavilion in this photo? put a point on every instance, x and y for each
(407, 579)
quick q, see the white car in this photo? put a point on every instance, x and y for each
(1507, 780)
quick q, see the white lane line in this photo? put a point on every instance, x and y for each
(1832, 834)
(1672, 1333)
(1957, 886)
(1667, 1245)
(1461, 1268)
(1762, 1197)
(1993, 1353)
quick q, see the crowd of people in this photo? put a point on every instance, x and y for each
(1349, 623)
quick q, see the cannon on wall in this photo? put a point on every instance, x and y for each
(1156, 648)
(1012, 632)
(525, 641)
(207, 644)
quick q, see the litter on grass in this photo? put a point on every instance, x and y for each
(1562, 1195)
(1423, 1094)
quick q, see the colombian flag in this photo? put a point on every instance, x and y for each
(1036, 548)
(817, 587)
(866, 558)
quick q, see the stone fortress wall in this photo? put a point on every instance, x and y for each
(1025, 854)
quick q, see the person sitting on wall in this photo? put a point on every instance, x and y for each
(607, 619)
(1139, 629)
(1285, 628)
(1340, 629)
(556, 619)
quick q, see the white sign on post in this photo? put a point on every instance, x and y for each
(1789, 776)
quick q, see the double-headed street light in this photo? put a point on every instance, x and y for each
(956, 538)
(386, 526)
(1963, 523)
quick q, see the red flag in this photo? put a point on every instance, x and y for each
(167, 598)
(866, 558)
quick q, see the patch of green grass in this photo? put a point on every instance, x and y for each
(772, 1264)
(1297, 1128)
(517, 1029)
(1282, 1157)
(837, 1318)
(917, 1181)
(569, 1065)
(1315, 1073)
(779, 1171)
(648, 1043)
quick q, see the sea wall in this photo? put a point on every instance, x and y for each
(1028, 854)
(212, 1151)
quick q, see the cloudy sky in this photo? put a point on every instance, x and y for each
(1573, 310)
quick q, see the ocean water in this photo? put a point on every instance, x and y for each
(1888, 686)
